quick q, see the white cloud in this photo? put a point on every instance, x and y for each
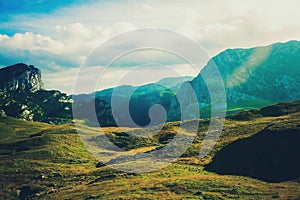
(64, 38)
(31, 41)
(95, 78)
(71, 40)
(65, 79)
(54, 57)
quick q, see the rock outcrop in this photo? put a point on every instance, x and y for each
(20, 77)
(22, 96)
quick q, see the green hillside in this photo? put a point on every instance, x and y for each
(43, 161)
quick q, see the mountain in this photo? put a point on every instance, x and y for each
(22, 96)
(140, 98)
(171, 82)
(268, 73)
(44, 161)
(20, 77)
(253, 77)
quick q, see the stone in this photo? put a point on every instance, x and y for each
(20, 77)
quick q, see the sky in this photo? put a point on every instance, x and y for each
(57, 36)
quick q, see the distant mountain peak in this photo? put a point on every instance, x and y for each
(265, 72)
(20, 77)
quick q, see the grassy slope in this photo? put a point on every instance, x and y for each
(56, 165)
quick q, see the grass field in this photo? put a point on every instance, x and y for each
(43, 161)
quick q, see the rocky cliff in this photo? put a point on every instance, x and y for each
(22, 96)
(20, 77)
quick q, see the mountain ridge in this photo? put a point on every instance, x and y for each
(253, 78)
(240, 67)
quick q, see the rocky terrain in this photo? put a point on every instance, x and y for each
(23, 96)
(20, 77)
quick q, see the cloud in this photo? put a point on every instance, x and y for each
(69, 49)
(31, 41)
(54, 55)
(65, 79)
(61, 37)
(95, 78)
(234, 24)
(36, 49)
